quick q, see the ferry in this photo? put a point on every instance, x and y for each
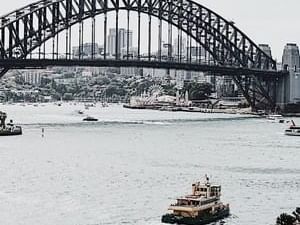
(203, 206)
(293, 130)
(8, 129)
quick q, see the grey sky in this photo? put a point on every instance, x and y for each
(265, 21)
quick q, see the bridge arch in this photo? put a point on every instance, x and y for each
(26, 29)
(45, 19)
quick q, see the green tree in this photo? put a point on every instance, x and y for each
(285, 219)
(296, 213)
(68, 97)
(198, 91)
(169, 89)
(61, 89)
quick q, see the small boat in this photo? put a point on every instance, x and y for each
(203, 206)
(88, 105)
(275, 118)
(80, 112)
(90, 119)
(104, 104)
(293, 130)
(8, 129)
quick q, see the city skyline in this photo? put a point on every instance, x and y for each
(256, 18)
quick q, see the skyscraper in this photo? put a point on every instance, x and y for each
(123, 35)
(111, 41)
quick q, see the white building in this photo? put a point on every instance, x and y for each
(34, 77)
(124, 40)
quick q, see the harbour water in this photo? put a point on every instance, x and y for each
(131, 164)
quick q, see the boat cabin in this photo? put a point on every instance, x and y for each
(3, 117)
(206, 190)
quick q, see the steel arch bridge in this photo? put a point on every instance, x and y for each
(228, 51)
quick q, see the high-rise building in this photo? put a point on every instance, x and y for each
(124, 39)
(266, 48)
(86, 50)
(34, 77)
(111, 41)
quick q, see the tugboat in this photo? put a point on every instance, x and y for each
(8, 129)
(293, 130)
(203, 206)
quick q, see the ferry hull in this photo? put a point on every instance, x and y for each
(11, 133)
(292, 134)
(172, 219)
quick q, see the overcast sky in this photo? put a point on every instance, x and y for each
(274, 22)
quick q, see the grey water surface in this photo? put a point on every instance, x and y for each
(128, 167)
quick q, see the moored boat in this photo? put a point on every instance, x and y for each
(11, 131)
(203, 206)
(275, 118)
(293, 130)
(8, 129)
(90, 119)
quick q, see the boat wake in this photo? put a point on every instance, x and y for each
(163, 122)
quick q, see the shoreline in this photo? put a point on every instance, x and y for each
(245, 111)
(233, 111)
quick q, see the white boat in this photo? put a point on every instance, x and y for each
(293, 130)
(275, 118)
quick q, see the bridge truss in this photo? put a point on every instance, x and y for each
(219, 46)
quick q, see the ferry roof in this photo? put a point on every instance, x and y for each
(195, 198)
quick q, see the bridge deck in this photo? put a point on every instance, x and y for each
(216, 69)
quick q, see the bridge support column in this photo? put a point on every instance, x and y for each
(280, 92)
(288, 91)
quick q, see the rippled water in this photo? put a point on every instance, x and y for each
(128, 167)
